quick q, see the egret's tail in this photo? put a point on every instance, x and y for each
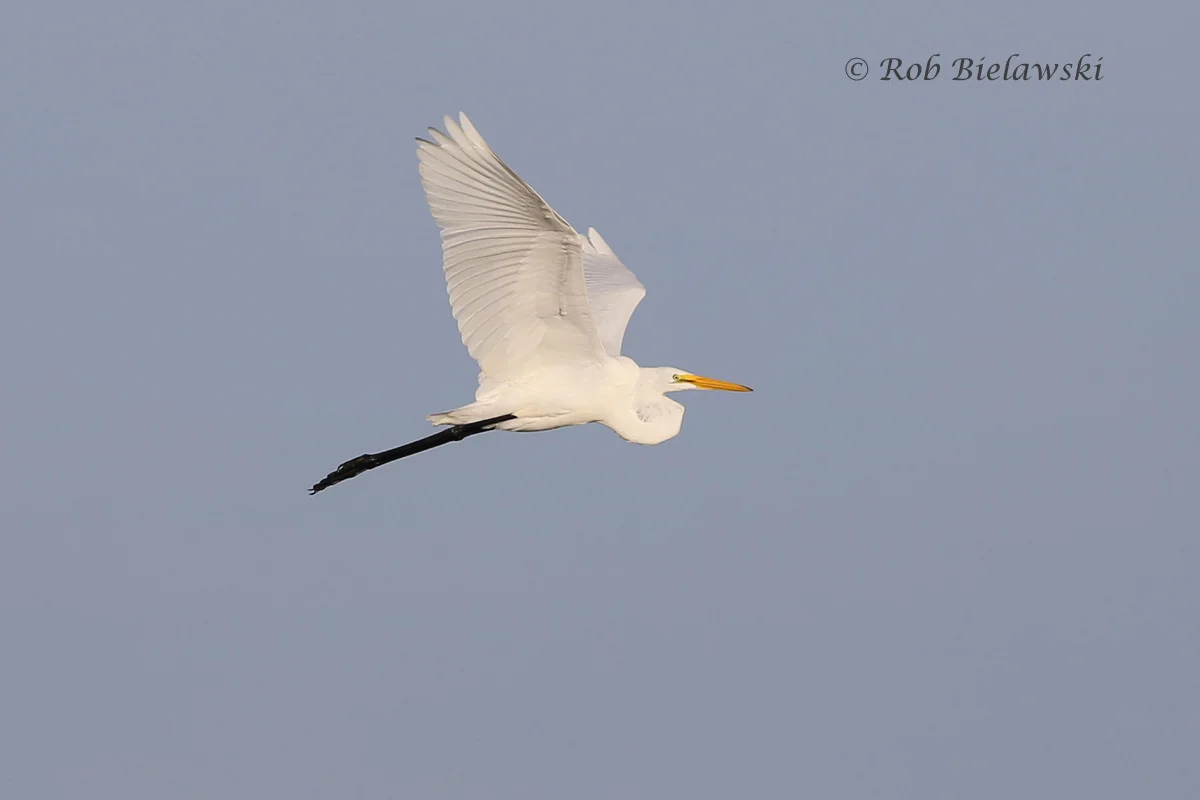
(472, 412)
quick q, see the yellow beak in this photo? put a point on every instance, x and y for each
(701, 382)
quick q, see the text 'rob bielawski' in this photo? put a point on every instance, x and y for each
(964, 68)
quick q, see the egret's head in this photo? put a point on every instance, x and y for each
(678, 380)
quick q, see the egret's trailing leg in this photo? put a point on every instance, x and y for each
(356, 466)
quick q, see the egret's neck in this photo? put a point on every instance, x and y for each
(648, 416)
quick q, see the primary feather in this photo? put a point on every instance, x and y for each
(515, 269)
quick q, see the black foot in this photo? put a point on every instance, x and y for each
(349, 469)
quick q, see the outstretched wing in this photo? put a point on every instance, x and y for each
(613, 291)
(514, 267)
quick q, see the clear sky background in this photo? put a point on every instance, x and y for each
(947, 549)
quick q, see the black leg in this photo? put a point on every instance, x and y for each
(455, 433)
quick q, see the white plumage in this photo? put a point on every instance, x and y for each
(541, 308)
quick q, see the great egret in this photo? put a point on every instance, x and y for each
(540, 307)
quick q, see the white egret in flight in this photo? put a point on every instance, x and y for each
(542, 308)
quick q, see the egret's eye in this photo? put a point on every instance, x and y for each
(675, 378)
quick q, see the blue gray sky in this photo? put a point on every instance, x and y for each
(947, 549)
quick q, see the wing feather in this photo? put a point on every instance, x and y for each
(613, 291)
(514, 267)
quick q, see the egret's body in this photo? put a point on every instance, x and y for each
(541, 308)
(613, 391)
